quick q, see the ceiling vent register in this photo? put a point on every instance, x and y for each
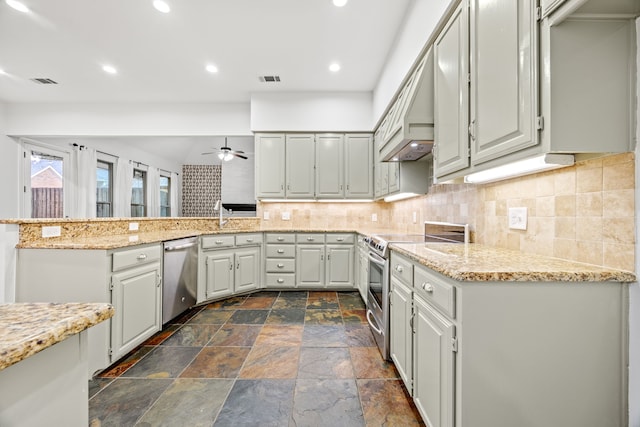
(269, 79)
(43, 81)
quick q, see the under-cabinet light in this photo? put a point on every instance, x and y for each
(541, 163)
(399, 196)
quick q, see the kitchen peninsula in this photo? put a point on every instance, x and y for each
(43, 362)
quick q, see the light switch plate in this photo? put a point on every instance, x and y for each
(286, 216)
(374, 217)
(518, 218)
(415, 217)
(133, 226)
(265, 215)
(51, 231)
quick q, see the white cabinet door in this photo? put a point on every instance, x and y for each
(401, 332)
(270, 165)
(247, 274)
(433, 387)
(330, 166)
(310, 266)
(503, 77)
(136, 298)
(339, 266)
(393, 180)
(300, 166)
(451, 61)
(219, 273)
(359, 166)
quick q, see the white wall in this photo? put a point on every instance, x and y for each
(311, 111)
(420, 22)
(128, 119)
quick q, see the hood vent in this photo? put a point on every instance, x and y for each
(407, 130)
(44, 81)
(269, 79)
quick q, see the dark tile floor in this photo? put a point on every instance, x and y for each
(267, 359)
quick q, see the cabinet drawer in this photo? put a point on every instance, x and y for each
(281, 265)
(310, 238)
(435, 290)
(133, 257)
(249, 239)
(281, 251)
(280, 238)
(223, 241)
(281, 280)
(340, 238)
(402, 269)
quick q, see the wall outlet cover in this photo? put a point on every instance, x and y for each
(518, 218)
(265, 215)
(133, 226)
(374, 217)
(415, 217)
(286, 216)
(51, 231)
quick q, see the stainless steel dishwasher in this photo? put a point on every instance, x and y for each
(179, 276)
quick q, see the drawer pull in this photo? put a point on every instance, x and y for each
(280, 265)
(280, 280)
(280, 251)
(280, 239)
(249, 240)
(142, 257)
(219, 242)
(399, 268)
(340, 239)
(310, 239)
(428, 287)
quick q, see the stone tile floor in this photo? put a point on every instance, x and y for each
(268, 359)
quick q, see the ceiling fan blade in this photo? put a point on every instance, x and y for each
(240, 155)
(208, 153)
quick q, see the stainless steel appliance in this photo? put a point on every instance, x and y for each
(378, 282)
(180, 273)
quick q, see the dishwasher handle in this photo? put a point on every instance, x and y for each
(179, 247)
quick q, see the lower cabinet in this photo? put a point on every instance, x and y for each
(362, 269)
(401, 339)
(130, 279)
(325, 261)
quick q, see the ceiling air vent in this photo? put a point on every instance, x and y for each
(44, 81)
(269, 79)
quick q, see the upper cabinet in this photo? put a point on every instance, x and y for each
(554, 78)
(308, 166)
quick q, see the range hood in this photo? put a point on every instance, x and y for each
(407, 132)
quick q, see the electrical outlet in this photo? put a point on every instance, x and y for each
(286, 216)
(415, 217)
(265, 215)
(133, 226)
(51, 231)
(374, 217)
(518, 218)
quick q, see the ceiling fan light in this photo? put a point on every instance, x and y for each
(221, 156)
(226, 157)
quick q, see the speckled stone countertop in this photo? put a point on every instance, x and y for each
(479, 263)
(27, 328)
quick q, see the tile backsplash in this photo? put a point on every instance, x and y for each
(582, 213)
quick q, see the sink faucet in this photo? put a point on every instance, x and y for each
(218, 207)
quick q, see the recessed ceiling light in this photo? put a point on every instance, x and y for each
(109, 69)
(340, 3)
(161, 6)
(212, 68)
(17, 5)
(335, 67)
(2, 72)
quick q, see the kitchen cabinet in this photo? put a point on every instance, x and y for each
(401, 330)
(280, 260)
(339, 266)
(362, 268)
(228, 264)
(130, 279)
(325, 261)
(314, 166)
(486, 348)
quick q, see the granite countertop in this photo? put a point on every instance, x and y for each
(27, 328)
(479, 263)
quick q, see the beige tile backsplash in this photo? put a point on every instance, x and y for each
(582, 213)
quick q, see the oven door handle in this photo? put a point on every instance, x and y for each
(374, 327)
(376, 260)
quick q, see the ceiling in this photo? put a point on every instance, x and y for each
(162, 57)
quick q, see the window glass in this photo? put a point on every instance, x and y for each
(165, 196)
(138, 193)
(47, 185)
(104, 189)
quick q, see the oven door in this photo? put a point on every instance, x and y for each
(378, 302)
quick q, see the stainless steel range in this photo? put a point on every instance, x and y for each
(378, 294)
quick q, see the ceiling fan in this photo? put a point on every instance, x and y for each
(226, 153)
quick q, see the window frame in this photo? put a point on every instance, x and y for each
(143, 173)
(109, 160)
(168, 206)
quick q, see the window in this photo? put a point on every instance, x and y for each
(104, 189)
(45, 174)
(138, 193)
(165, 196)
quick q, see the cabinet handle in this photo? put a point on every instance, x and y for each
(142, 257)
(321, 257)
(428, 287)
(219, 242)
(280, 265)
(280, 280)
(238, 266)
(280, 251)
(472, 129)
(340, 239)
(230, 266)
(399, 268)
(280, 239)
(310, 239)
(249, 240)
(328, 257)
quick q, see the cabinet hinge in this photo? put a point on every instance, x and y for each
(469, 78)
(538, 13)
(110, 352)
(454, 345)
(111, 284)
(540, 122)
